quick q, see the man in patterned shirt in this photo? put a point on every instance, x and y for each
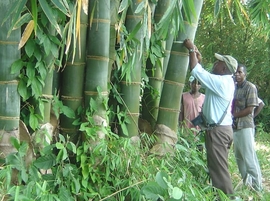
(245, 100)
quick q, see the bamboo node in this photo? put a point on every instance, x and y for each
(174, 83)
(75, 63)
(179, 53)
(191, 24)
(71, 98)
(47, 96)
(133, 114)
(98, 20)
(9, 42)
(99, 58)
(9, 118)
(68, 130)
(92, 93)
(9, 82)
(127, 83)
(169, 109)
(156, 78)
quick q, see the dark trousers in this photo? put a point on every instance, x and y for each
(217, 143)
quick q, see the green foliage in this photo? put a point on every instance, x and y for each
(239, 37)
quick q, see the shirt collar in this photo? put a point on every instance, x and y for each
(242, 84)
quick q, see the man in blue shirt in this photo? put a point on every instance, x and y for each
(219, 90)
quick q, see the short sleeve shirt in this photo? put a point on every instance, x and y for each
(245, 96)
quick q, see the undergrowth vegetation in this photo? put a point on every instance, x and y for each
(117, 169)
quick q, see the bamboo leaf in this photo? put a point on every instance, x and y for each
(34, 13)
(58, 4)
(123, 6)
(51, 17)
(24, 19)
(140, 7)
(15, 9)
(26, 34)
(217, 8)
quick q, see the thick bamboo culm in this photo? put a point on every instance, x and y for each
(130, 89)
(169, 107)
(97, 65)
(9, 53)
(72, 80)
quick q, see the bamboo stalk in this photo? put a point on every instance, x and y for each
(97, 66)
(130, 85)
(151, 97)
(10, 98)
(167, 122)
(72, 81)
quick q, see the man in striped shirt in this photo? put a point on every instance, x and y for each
(245, 100)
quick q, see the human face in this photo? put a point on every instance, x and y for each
(218, 68)
(240, 75)
(195, 86)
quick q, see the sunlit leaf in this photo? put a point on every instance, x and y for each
(26, 34)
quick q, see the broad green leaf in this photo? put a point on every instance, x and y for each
(33, 121)
(72, 147)
(68, 112)
(152, 191)
(15, 142)
(47, 45)
(16, 66)
(14, 161)
(22, 89)
(177, 193)
(41, 69)
(76, 185)
(45, 162)
(159, 179)
(64, 194)
(30, 47)
(59, 145)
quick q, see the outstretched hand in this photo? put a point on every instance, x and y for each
(189, 44)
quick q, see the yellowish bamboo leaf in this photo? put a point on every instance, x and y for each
(26, 34)
(78, 25)
(149, 22)
(85, 6)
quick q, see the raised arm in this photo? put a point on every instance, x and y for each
(193, 53)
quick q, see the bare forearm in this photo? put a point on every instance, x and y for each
(193, 60)
(243, 112)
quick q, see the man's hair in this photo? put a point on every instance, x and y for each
(244, 68)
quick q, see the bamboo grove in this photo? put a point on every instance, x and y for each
(113, 65)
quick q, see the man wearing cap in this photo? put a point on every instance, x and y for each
(219, 90)
(191, 105)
